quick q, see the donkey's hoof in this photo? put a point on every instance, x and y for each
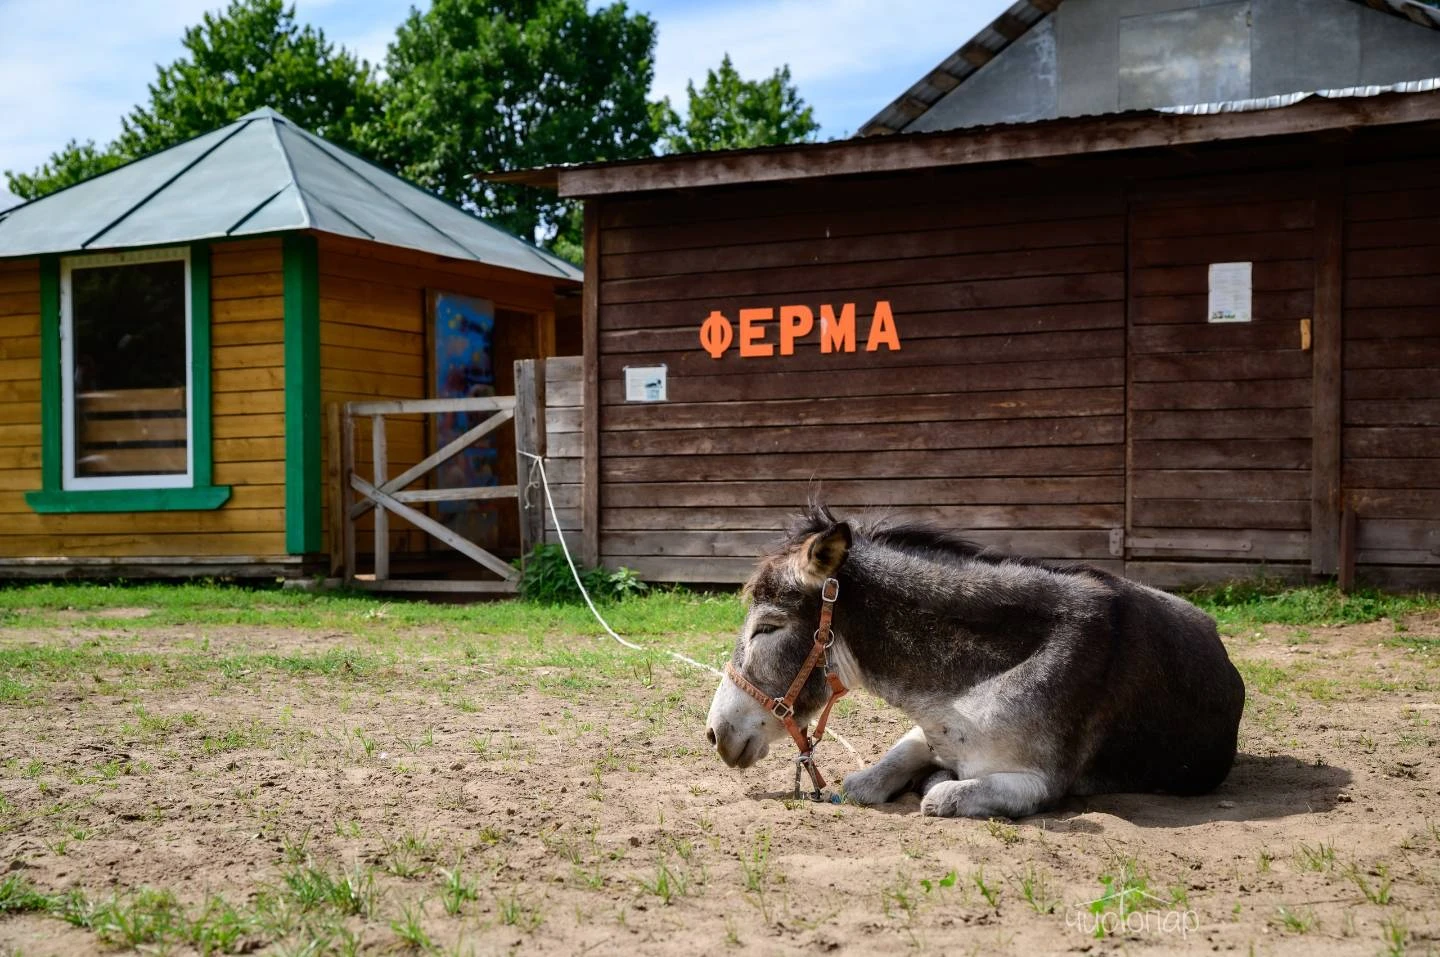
(870, 786)
(953, 799)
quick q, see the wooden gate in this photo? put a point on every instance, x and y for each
(386, 496)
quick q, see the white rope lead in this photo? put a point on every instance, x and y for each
(555, 517)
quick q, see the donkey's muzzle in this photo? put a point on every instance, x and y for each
(736, 751)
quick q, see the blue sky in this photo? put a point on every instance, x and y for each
(71, 68)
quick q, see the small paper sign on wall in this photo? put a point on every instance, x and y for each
(1229, 292)
(644, 383)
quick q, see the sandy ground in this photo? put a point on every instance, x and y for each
(584, 815)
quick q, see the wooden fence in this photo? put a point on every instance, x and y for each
(546, 410)
(386, 496)
(552, 389)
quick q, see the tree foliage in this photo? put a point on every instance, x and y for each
(730, 112)
(66, 167)
(507, 84)
(468, 86)
(253, 54)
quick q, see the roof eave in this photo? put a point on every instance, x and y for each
(1017, 20)
(541, 177)
(1142, 129)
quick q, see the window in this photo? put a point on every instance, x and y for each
(125, 383)
(125, 348)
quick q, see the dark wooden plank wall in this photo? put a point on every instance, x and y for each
(563, 404)
(1002, 415)
(1391, 435)
(1220, 422)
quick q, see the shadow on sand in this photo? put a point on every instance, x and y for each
(1259, 787)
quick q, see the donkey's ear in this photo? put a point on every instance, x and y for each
(825, 551)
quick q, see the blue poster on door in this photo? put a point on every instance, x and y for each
(464, 367)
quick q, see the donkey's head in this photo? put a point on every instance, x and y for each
(778, 635)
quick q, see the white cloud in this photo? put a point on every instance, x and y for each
(364, 28)
(71, 68)
(370, 45)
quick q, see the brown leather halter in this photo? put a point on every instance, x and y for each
(784, 708)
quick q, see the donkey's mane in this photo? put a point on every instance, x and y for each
(924, 540)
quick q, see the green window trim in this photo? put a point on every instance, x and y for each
(52, 497)
(303, 481)
(130, 499)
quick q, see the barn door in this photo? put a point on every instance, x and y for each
(1219, 379)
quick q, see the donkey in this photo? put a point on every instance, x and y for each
(1027, 680)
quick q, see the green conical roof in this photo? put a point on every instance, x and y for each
(259, 175)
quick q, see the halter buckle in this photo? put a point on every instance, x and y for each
(806, 760)
(782, 710)
(830, 591)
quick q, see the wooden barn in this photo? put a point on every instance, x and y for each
(1186, 344)
(172, 332)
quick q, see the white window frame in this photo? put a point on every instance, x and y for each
(69, 480)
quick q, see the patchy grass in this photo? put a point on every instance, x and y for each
(660, 612)
(360, 775)
(1261, 602)
(93, 605)
(562, 648)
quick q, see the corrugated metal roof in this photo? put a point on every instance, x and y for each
(958, 67)
(1280, 100)
(1013, 24)
(1413, 10)
(261, 174)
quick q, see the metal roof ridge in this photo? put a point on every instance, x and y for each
(331, 150)
(307, 221)
(322, 145)
(305, 194)
(166, 184)
(230, 230)
(266, 113)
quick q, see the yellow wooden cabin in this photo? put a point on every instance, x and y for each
(172, 332)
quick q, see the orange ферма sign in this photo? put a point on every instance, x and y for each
(837, 331)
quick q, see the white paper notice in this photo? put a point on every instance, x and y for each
(1229, 292)
(644, 383)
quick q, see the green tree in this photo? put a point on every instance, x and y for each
(253, 54)
(730, 112)
(480, 85)
(66, 167)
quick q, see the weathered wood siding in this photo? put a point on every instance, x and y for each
(1391, 435)
(247, 314)
(1219, 413)
(563, 404)
(1002, 413)
(19, 406)
(372, 346)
